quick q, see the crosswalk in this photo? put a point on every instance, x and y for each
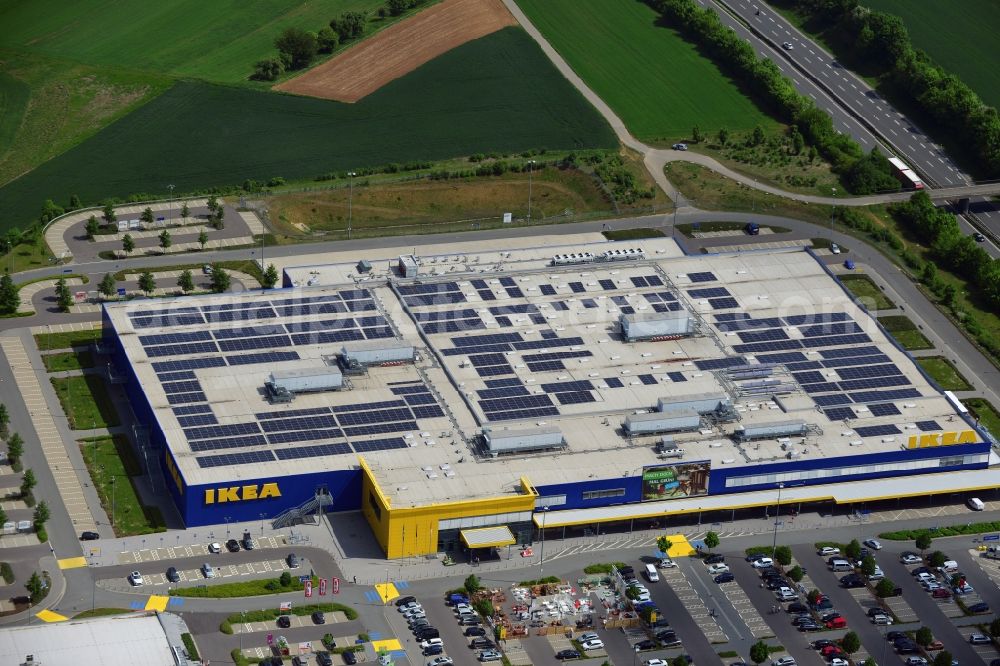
(616, 542)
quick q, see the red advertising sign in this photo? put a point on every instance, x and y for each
(336, 585)
(322, 586)
(309, 588)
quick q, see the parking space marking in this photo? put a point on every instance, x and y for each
(694, 604)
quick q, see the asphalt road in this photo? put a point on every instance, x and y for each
(855, 107)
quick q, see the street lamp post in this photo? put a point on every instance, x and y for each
(777, 512)
(114, 497)
(243, 617)
(531, 168)
(833, 208)
(262, 516)
(541, 558)
(350, 202)
(227, 519)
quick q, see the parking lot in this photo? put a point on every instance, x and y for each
(192, 550)
(222, 571)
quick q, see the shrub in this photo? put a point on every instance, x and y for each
(6, 573)
(191, 648)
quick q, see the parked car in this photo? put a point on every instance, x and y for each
(173, 576)
(592, 644)
(475, 631)
(882, 620)
(90, 536)
(293, 561)
(935, 645)
(716, 569)
(350, 657)
(481, 643)
(680, 146)
(828, 550)
(567, 654)
(429, 642)
(324, 658)
(822, 643)
(839, 661)
(786, 594)
(715, 559)
(247, 541)
(646, 645)
(135, 578)
(963, 588)
(979, 639)
(921, 571)
(724, 578)
(215, 547)
(808, 626)
(402, 608)
(656, 662)
(910, 558)
(851, 580)
(797, 607)
(489, 655)
(432, 650)
(318, 617)
(233, 546)
(284, 621)
(763, 563)
(666, 563)
(784, 661)
(440, 661)
(874, 544)
(941, 593)
(834, 248)
(402, 601)
(753, 557)
(981, 607)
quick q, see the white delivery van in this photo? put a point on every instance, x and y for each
(652, 575)
(949, 567)
(976, 504)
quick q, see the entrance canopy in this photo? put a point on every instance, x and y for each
(487, 537)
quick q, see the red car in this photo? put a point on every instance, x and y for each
(836, 623)
(935, 645)
(831, 651)
(941, 593)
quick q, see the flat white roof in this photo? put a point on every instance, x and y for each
(130, 640)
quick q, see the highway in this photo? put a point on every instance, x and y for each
(855, 107)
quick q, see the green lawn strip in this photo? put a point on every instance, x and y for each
(74, 360)
(952, 530)
(112, 457)
(867, 291)
(632, 234)
(14, 95)
(190, 646)
(905, 332)
(424, 115)
(267, 614)
(249, 588)
(611, 45)
(101, 612)
(86, 402)
(691, 229)
(944, 373)
(987, 414)
(67, 340)
(243, 266)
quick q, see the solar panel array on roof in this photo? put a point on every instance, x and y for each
(884, 409)
(929, 426)
(242, 458)
(877, 430)
(677, 376)
(708, 292)
(723, 303)
(719, 363)
(840, 413)
(704, 276)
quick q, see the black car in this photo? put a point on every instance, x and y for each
(426, 633)
(851, 580)
(324, 659)
(754, 557)
(431, 650)
(895, 635)
(822, 643)
(567, 654)
(469, 621)
(475, 631)
(797, 607)
(173, 576)
(318, 618)
(270, 661)
(646, 645)
(725, 578)
(808, 626)
(233, 546)
(349, 657)
(872, 612)
(981, 607)
(284, 621)
(626, 571)
(481, 643)
(803, 619)
(921, 570)
(402, 601)
(827, 617)
(775, 583)
(247, 541)
(905, 645)
(715, 559)
(666, 635)
(90, 536)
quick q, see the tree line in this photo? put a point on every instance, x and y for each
(297, 48)
(772, 90)
(880, 43)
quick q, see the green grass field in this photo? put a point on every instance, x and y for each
(74, 360)
(498, 93)
(986, 413)
(14, 95)
(68, 340)
(944, 373)
(905, 331)
(85, 401)
(654, 80)
(865, 289)
(959, 36)
(218, 41)
(112, 457)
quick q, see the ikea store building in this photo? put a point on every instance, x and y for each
(476, 400)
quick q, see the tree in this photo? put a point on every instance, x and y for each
(471, 584)
(711, 541)
(937, 559)
(165, 240)
(28, 482)
(147, 283)
(299, 45)
(218, 219)
(949, 294)
(268, 69)
(757, 137)
(285, 579)
(64, 297)
(147, 215)
(185, 281)
(759, 652)
(9, 298)
(92, 227)
(128, 244)
(326, 40)
(798, 141)
(185, 212)
(885, 588)
(35, 587)
(220, 279)
(4, 420)
(813, 596)
(348, 25)
(107, 286)
(109, 213)
(943, 658)
(850, 643)
(15, 449)
(696, 134)
(923, 541)
(50, 211)
(74, 202)
(212, 204)
(270, 277)
(663, 544)
(42, 514)
(397, 7)
(924, 636)
(723, 136)
(853, 550)
(3, 516)
(796, 573)
(783, 555)
(203, 239)
(679, 660)
(868, 565)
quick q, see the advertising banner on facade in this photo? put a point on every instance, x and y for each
(308, 586)
(336, 586)
(663, 482)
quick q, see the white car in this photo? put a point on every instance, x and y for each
(787, 46)
(408, 606)
(926, 577)
(440, 661)
(415, 610)
(828, 550)
(930, 585)
(667, 563)
(593, 644)
(835, 249)
(461, 607)
(874, 544)
(431, 641)
(656, 662)
(838, 661)
(716, 569)
(135, 578)
(215, 547)
(680, 146)
(763, 563)
(784, 661)
(910, 558)
(589, 636)
(785, 594)
(877, 575)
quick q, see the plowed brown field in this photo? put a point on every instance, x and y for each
(399, 49)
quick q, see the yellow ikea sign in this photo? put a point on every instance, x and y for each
(942, 439)
(241, 493)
